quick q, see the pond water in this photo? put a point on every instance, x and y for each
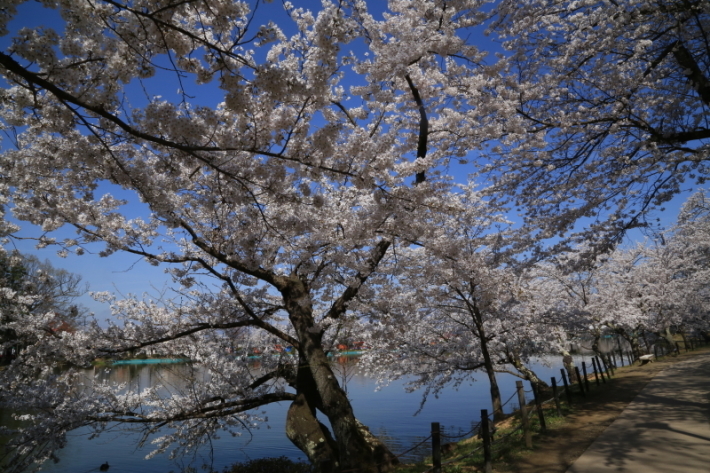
(388, 412)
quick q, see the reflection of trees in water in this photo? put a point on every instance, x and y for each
(345, 368)
(421, 446)
(6, 420)
(582, 343)
(173, 378)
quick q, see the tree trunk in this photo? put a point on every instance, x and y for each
(635, 346)
(527, 373)
(568, 363)
(490, 369)
(311, 437)
(598, 351)
(646, 342)
(595, 342)
(354, 448)
(669, 338)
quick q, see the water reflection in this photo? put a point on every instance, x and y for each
(388, 412)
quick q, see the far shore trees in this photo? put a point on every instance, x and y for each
(31, 288)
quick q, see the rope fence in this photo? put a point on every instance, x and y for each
(599, 372)
(573, 382)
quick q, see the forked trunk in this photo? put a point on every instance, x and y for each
(351, 447)
(310, 436)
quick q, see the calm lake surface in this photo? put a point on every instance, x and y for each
(389, 413)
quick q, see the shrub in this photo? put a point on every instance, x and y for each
(270, 465)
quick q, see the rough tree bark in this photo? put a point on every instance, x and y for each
(351, 447)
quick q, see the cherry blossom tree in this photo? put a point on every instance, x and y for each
(279, 189)
(613, 98)
(465, 311)
(655, 288)
(692, 235)
(672, 277)
(597, 297)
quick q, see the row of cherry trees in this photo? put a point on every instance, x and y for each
(468, 314)
(301, 186)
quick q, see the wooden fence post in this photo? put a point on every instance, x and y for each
(567, 391)
(580, 382)
(655, 351)
(486, 434)
(630, 358)
(621, 357)
(556, 396)
(524, 414)
(436, 447)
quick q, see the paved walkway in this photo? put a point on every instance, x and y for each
(666, 429)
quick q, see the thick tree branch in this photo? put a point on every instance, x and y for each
(691, 69)
(221, 409)
(34, 79)
(423, 127)
(184, 333)
(340, 306)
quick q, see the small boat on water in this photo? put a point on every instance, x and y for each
(150, 361)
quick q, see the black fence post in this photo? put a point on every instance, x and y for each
(486, 434)
(595, 367)
(538, 406)
(580, 383)
(604, 373)
(436, 447)
(584, 372)
(556, 396)
(567, 391)
(609, 369)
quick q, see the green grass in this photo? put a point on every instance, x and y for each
(508, 444)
